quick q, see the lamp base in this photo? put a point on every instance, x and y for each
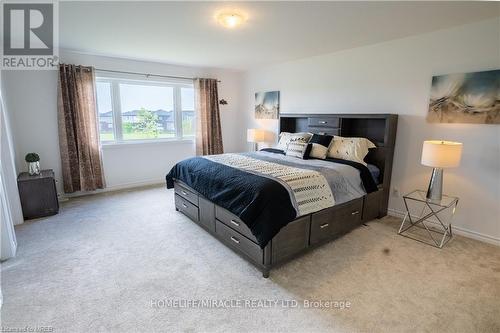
(255, 146)
(435, 190)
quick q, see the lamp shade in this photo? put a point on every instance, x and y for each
(257, 135)
(441, 154)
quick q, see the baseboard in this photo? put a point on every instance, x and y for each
(120, 187)
(457, 230)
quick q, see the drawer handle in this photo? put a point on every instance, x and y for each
(323, 122)
(236, 240)
(184, 193)
(324, 225)
(355, 212)
(235, 223)
(184, 205)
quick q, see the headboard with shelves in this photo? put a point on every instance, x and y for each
(378, 128)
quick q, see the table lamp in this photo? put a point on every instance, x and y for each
(439, 154)
(257, 135)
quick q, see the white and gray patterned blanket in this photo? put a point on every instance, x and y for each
(309, 190)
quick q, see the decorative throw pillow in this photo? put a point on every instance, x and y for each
(351, 149)
(285, 138)
(300, 137)
(319, 145)
(298, 149)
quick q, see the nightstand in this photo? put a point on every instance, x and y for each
(38, 194)
(429, 218)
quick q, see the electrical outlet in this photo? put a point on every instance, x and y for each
(395, 192)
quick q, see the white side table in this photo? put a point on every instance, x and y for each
(428, 209)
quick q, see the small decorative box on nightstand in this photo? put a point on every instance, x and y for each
(38, 194)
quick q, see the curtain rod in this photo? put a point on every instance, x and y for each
(147, 75)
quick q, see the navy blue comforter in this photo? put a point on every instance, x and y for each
(263, 204)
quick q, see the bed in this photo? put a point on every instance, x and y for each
(270, 208)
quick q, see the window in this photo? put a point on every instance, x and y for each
(187, 103)
(105, 109)
(143, 110)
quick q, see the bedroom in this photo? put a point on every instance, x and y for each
(118, 251)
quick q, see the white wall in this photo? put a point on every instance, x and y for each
(31, 97)
(395, 77)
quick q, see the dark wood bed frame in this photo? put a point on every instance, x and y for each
(309, 231)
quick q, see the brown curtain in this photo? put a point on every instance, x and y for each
(208, 129)
(78, 133)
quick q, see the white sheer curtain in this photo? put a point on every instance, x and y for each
(10, 205)
(8, 240)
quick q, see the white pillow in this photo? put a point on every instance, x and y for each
(351, 149)
(285, 138)
(319, 145)
(318, 151)
(283, 141)
(301, 137)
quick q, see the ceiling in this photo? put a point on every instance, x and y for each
(187, 33)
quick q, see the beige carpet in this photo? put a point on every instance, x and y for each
(100, 263)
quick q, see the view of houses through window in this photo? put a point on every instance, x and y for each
(144, 110)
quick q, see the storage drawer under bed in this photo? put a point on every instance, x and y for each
(186, 207)
(335, 221)
(232, 221)
(186, 193)
(236, 241)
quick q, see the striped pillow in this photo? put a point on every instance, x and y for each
(298, 149)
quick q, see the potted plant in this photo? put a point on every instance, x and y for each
(33, 161)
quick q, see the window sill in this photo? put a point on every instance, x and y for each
(136, 143)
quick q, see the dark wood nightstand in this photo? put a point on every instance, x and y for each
(38, 194)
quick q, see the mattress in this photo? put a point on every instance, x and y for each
(375, 172)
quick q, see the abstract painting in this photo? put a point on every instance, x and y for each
(267, 105)
(465, 98)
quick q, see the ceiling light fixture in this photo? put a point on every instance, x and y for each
(230, 19)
